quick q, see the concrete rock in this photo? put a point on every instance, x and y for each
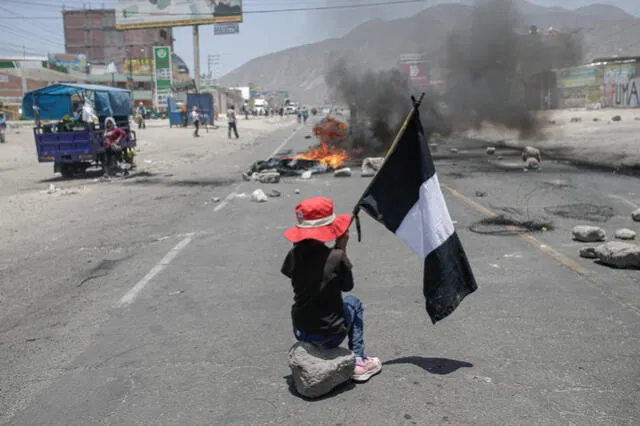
(258, 196)
(588, 234)
(371, 165)
(306, 174)
(576, 120)
(531, 152)
(344, 172)
(454, 150)
(266, 177)
(532, 164)
(317, 371)
(588, 252)
(619, 254)
(616, 118)
(636, 215)
(625, 234)
(490, 150)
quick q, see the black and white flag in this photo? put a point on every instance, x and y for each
(405, 197)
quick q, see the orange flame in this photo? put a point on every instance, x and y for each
(330, 133)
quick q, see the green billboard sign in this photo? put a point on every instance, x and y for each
(162, 74)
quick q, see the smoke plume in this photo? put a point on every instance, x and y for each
(381, 100)
(489, 65)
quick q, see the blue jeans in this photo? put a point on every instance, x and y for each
(353, 313)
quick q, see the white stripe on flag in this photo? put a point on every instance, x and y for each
(427, 224)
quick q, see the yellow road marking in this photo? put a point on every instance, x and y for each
(544, 248)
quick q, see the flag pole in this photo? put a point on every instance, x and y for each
(403, 129)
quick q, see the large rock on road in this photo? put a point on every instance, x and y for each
(317, 371)
(619, 254)
(588, 234)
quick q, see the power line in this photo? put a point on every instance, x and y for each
(267, 11)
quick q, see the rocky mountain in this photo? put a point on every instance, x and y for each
(376, 44)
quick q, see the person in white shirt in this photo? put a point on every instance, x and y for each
(195, 117)
(231, 118)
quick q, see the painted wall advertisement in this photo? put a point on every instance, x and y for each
(77, 62)
(581, 87)
(175, 13)
(137, 66)
(621, 86)
(416, 67)
(162, 75)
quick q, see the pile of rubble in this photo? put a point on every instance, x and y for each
(618, 254)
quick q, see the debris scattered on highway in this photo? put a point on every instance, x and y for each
(306, 175)
(588, 234)
(625, 234)
(258, 196)
(287, 167)
(308, 137)
(267, 176)
(531, 152)
(575, 120)
(241, 195)
(274, 193)
(619, 255)
(588, 253)
(582, 211)
(551, 122)
(499, 157)
(175, 293)
(636, 215)
(454, 150)
(433, 147)
(490, 150)
(596, 119)
(509, 223)
(371, 165)
(483, 379)
(616, 118)
(216, 199)
(297, 191)
(344, 172)
(531, 164)
(481, 194)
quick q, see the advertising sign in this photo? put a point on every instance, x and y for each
(580, 87)
(162, 74)
(175, 13)
(577, 77)
(72, 61)
(226, 28)
(416, 67)
(617, 78)
(138, 66)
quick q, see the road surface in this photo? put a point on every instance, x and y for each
(180, 315)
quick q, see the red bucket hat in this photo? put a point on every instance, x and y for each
(317, 221)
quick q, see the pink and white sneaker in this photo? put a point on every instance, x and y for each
(369, 367)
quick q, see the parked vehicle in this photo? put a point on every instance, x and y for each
(72, 144)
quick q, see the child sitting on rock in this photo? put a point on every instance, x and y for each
(319, 275)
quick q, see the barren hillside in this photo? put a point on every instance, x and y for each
(377, 44)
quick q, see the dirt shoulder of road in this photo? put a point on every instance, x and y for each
(36, 205)
(580, 136)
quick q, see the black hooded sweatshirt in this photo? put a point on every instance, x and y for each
(318, 275)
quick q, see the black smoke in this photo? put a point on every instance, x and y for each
(381, 100)
(489, 64)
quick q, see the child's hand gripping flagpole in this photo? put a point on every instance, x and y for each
(403, 128)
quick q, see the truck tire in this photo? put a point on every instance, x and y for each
(67, 170)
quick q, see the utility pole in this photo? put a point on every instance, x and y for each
(196, 58)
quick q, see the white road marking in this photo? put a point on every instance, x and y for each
(624, 200)
(164, 262)
(286, 141)
(236, 191)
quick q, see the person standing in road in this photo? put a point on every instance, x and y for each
(231, 117)
(195, 117)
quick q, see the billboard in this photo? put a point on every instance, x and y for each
(175, 13)
(416, 67)
(226, 28)
(137, 66)
(72, 61)
(580, 86)
(617, 78)
(162, 75)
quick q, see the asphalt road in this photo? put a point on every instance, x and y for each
(189, 323)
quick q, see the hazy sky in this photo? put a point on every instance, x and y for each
(260, 33)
